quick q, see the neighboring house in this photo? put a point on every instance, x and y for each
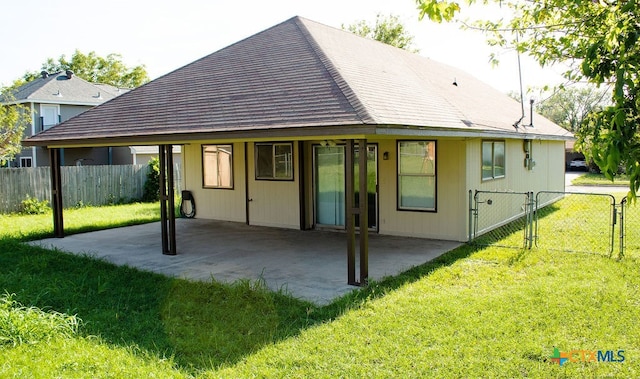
(143, 154)
(54, 98)
(266, 122)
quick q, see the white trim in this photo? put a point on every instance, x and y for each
(433, 133)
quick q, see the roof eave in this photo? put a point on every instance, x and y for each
(296, 133)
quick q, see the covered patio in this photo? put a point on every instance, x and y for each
(309, 265)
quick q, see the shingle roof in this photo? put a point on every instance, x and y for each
(300, 77)
(59, 88)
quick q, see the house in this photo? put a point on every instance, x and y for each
(54, 98)
(288, 127)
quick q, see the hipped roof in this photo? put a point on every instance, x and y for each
(62, 88)
(301, 79)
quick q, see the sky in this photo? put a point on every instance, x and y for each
(166, 35)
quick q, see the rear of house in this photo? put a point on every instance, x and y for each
(266, 126)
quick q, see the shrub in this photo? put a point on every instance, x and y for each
(151, 190)
(33, 206)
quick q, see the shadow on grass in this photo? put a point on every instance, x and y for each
(203, 325)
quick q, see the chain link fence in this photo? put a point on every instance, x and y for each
(564, 221)
(630, 228)
(500, 218)
(591, 227)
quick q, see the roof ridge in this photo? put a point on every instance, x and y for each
(334, 72)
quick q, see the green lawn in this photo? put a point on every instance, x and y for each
(592, 179)
(472, 313)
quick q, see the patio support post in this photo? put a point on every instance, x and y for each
(56, 193)
(350, 214)
(360, 211)
(167, 201)
(364, 212)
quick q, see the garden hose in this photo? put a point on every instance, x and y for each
(188, 205)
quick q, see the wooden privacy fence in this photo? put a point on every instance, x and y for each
(81, 185)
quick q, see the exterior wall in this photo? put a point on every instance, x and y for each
(448, 221)
(69, 111)
(214, 203)
(274, 202)
(547, 175)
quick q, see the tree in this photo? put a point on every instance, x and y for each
(569, 107)
(151, 190)
(14, 119)
(93, 68)
(387, 29)
(598, 39)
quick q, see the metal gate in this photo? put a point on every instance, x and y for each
(629, 228)
(589, 231)
(501, 218)
(596, 223)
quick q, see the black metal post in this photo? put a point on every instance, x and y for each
(171, 211)
(350, 214)
(163, 199)
(56, 193)
(364, 212)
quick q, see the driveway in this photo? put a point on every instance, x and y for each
(311, 265)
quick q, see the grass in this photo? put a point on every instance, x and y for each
(77, 220)
(474, 312)
(592, 179)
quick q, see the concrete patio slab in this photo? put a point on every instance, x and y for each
(311, 265)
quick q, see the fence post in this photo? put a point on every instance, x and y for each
(623, 205)
(529, 218)
(470, 214)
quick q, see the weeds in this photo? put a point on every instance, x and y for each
(29, 325)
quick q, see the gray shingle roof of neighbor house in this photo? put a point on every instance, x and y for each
(65, 88)
(301, 78)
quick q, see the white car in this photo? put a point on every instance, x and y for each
(578, 164)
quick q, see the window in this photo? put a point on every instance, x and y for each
(417, 175)
(274, 161)
(26, 162)
(217, 166)
(49, 116)
(492, 160)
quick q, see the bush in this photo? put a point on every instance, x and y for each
(33, 206)
(151, 190)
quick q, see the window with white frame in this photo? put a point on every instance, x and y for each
(417, 175)
(274, 161)
(493, 160)
(217, 166)
(26, 162)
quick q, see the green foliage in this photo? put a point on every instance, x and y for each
(569, 107)
(95, 69)
(599, 41)
(438, 10)
(151, 190)
(29, 325)
(14, 119)
(33, 206)
(387, 29)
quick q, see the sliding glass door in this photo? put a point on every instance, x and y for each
(329, 185)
